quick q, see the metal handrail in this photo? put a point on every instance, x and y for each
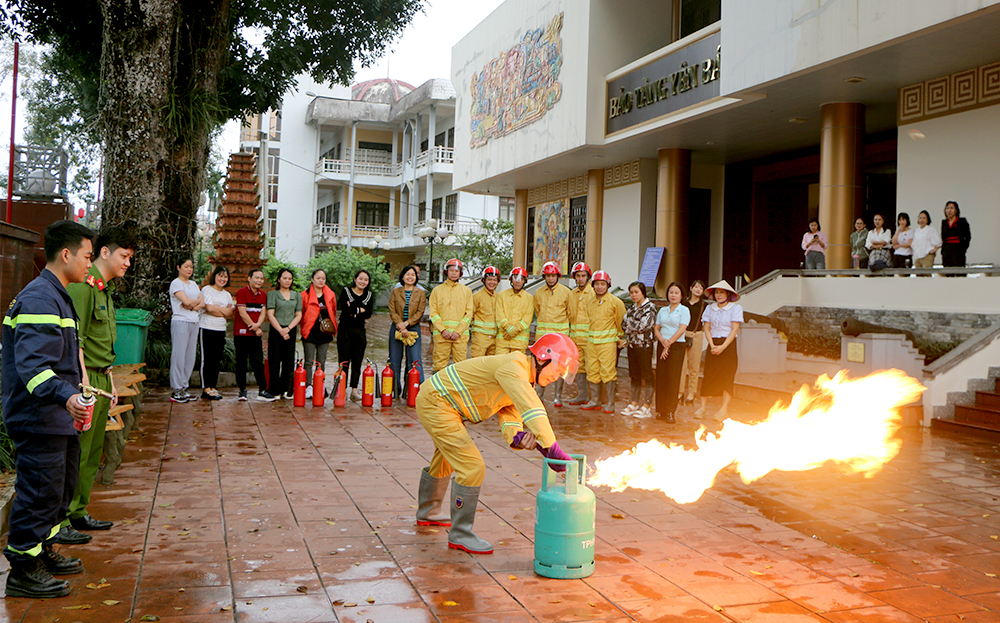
(987, 270)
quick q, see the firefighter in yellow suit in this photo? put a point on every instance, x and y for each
(450, 309)
(515, 309)
(606, 313)
(579, 328)
(469, 392)
(554, 310)
(484, 314)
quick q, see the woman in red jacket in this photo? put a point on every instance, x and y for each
(319, 303)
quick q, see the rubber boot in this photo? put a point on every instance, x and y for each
(431, 495)
(464, 501)
(595, 397)
(581, 391)
(609, 406)
(557, 401)
(30, 579)
(57, 564)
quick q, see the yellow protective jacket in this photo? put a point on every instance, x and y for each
(555, 309)
(514, 313)
(450, 307)
(606, 314)
(484, 313)
(478, 388)
(580, 324)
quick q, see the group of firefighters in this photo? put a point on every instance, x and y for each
(579, 328)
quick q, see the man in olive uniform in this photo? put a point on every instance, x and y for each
(97, 331)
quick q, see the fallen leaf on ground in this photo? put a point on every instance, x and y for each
(80, 607)
(718, 608)
(511, 577)
(994, 537)
(449, 603)
(110, 602)
(331, 523)
(350, 605)
(370, 600)
(92, 586)
(302, 589)
(617, 516)
(149, 617)
(226, 608)
(756, 572)
(338, 602)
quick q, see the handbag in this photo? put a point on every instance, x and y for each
(326, 326)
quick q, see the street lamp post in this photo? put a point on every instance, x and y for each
(377, 244)
(432, 234)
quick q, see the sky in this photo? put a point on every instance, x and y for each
(421, 53)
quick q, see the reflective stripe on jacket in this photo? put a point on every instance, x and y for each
(484, 313)
(451, 307)
(580, 329)
(554, 308)
(606, 315)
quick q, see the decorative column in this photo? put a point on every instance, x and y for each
(595, 217)
(673, 185)
(841, 177)
(350, 186)
(431, 133)
(521, 228)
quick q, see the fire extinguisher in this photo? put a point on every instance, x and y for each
(340, 385)
(299, 391)
(368, 385)
(319, 389)
(387, 385)
(412, 385)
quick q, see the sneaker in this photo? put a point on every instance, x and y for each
(356, 394)
(642, 413)
(288, 396)
(265, 396)
(630, 409)
(188, 396)
(309, 392)
(243, 395)
(178, 397)
(699, 413)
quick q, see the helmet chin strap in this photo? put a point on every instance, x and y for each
(539, 367)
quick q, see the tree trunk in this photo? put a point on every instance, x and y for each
(159, 71)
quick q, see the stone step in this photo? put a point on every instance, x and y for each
(974, 414)
(965, 428)
(988, 399)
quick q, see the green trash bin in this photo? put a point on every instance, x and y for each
(130, 344)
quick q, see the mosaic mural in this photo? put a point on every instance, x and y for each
(552, 234)
(519, 86)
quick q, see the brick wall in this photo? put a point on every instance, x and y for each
(929, 326)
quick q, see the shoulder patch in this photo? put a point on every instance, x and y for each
(12, 301)
(91, 281)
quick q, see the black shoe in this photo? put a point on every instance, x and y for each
(670, 418)
(89, 523)
(57, 564)
(30, 579)
(68, 535)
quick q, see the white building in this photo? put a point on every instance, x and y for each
(382, 147)
(715, 129)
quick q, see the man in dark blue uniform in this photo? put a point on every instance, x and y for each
(41, 370)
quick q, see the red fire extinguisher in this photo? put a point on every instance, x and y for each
(299, 391)
(319, 389)
(340, 385)
(387, 382)
(412, 385)
(368, 385)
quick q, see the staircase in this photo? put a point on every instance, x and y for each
(977, 409)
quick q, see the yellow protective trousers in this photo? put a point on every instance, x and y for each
(445, 349)
(482, 344)
(603, 365)
(454, 450)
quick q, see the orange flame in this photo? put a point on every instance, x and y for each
(849, 422)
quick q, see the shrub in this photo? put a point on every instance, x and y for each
(275, 264)
(816, 344)
(341, 264)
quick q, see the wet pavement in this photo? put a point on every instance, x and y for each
(252, 512)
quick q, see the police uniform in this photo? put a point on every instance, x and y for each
(555, 308)
(40, 373)
(514, 313)
(97, 332)
(451, 310)
(484, 323)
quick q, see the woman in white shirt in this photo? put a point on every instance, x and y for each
(879, 243)
(926, 242)
(219, 310)
(721, 322)
(901, 251)
(186, 304)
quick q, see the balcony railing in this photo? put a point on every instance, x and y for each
(454, 226)
(441, 155)
(329, 233)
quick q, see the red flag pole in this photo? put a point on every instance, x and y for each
(13, 119)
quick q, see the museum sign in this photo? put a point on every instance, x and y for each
(678, 80)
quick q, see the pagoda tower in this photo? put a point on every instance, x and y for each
(239, 233)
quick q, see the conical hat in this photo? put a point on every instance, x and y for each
(722, 285)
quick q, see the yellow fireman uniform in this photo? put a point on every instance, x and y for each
(472, 391)
(606, 314)
(580, 324)
(450, 309)
(554, 309)
(484, 323)
(514, 314)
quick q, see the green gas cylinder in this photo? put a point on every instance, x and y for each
(565, 516)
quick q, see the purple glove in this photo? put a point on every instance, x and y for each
(524, 440)
(555, 452)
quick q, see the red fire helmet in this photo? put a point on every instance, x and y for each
(551, 268)
(581, 266)
(602, 276)
(561, 351)
(488, 271)
(517, 271)
(454, 262)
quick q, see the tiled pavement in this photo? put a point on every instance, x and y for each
(261, 512)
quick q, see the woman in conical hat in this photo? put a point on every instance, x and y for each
(721, 323)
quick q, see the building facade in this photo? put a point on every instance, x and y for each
(347, 165)
(715, 129)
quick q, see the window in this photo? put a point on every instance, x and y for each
(386, 147)
(423, 211)
(696, 14)
(273, 162)
(531, 242)
(250, 130)
(451, 206)
(328, 214)
(577, 229)
(436, 208)
(272, 223)
(507, 209)
(444, 139)
(371, 214)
